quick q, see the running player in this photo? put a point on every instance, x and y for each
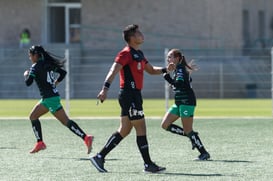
(43, 70)
(185, 101)
(130, 63)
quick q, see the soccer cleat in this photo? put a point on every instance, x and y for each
(203, 156)
(88, 140)
(39, 146)
(98, 162)
(153, 168)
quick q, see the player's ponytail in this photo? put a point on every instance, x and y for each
(190, 66)
(54, 60)
(50, 59)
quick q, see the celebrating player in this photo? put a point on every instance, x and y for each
(43, 70)
(185, 101)
(131, 64)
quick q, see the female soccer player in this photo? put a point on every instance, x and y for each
(185, 101)
(43, 70)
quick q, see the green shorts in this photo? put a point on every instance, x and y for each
(53, 104)
(182, 110)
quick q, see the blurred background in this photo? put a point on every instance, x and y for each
(229, 40)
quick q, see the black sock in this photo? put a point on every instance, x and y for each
(75, 129)
(143, 147)
(176, 130)
(197, 141)
(112, 142)
(37, 129)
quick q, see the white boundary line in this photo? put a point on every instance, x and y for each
(147, 118)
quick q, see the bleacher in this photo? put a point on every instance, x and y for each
(219, 76)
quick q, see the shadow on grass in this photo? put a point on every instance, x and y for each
(77, 159)
(232, 161)
(7, 148)
(112, 159)
(195, 174)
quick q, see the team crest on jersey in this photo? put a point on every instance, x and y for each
(136, 56)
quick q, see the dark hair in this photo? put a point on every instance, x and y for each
(129, 31)
(178, 53)
(49, 58)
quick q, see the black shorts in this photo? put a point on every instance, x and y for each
(130, 102)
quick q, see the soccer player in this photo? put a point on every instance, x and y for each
(185, 101)
(130, 63)
(43, 70)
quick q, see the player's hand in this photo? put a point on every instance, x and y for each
(26, 73)
(171, 67)
(102, 95)
(56, 82)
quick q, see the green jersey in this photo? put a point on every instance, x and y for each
(181, 83)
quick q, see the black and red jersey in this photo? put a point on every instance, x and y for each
(132, 73)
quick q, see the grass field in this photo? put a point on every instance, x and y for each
(241, 149)
(237, 133)
(152, 107)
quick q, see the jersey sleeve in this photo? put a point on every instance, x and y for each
(31, 76)
(168, 78)
(123, 58)
(62, 73)
(29, 80)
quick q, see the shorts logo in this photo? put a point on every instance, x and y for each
(134, 112)
(185, 112)
(51, 109)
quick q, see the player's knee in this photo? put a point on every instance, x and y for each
(33, 117)
(124, 133)
(164, 125)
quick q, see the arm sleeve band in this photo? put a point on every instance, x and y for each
(164, 70)
(168, 78)
(29, 80)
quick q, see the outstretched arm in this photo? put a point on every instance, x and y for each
(153, 70)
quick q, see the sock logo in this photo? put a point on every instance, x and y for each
(78, 132)
(36, 133)
(196, 141)
(177, 130)
(144, 146)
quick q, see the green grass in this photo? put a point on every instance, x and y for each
(241, 149)
(152, 107)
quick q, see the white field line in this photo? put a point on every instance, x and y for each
(147, 118)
